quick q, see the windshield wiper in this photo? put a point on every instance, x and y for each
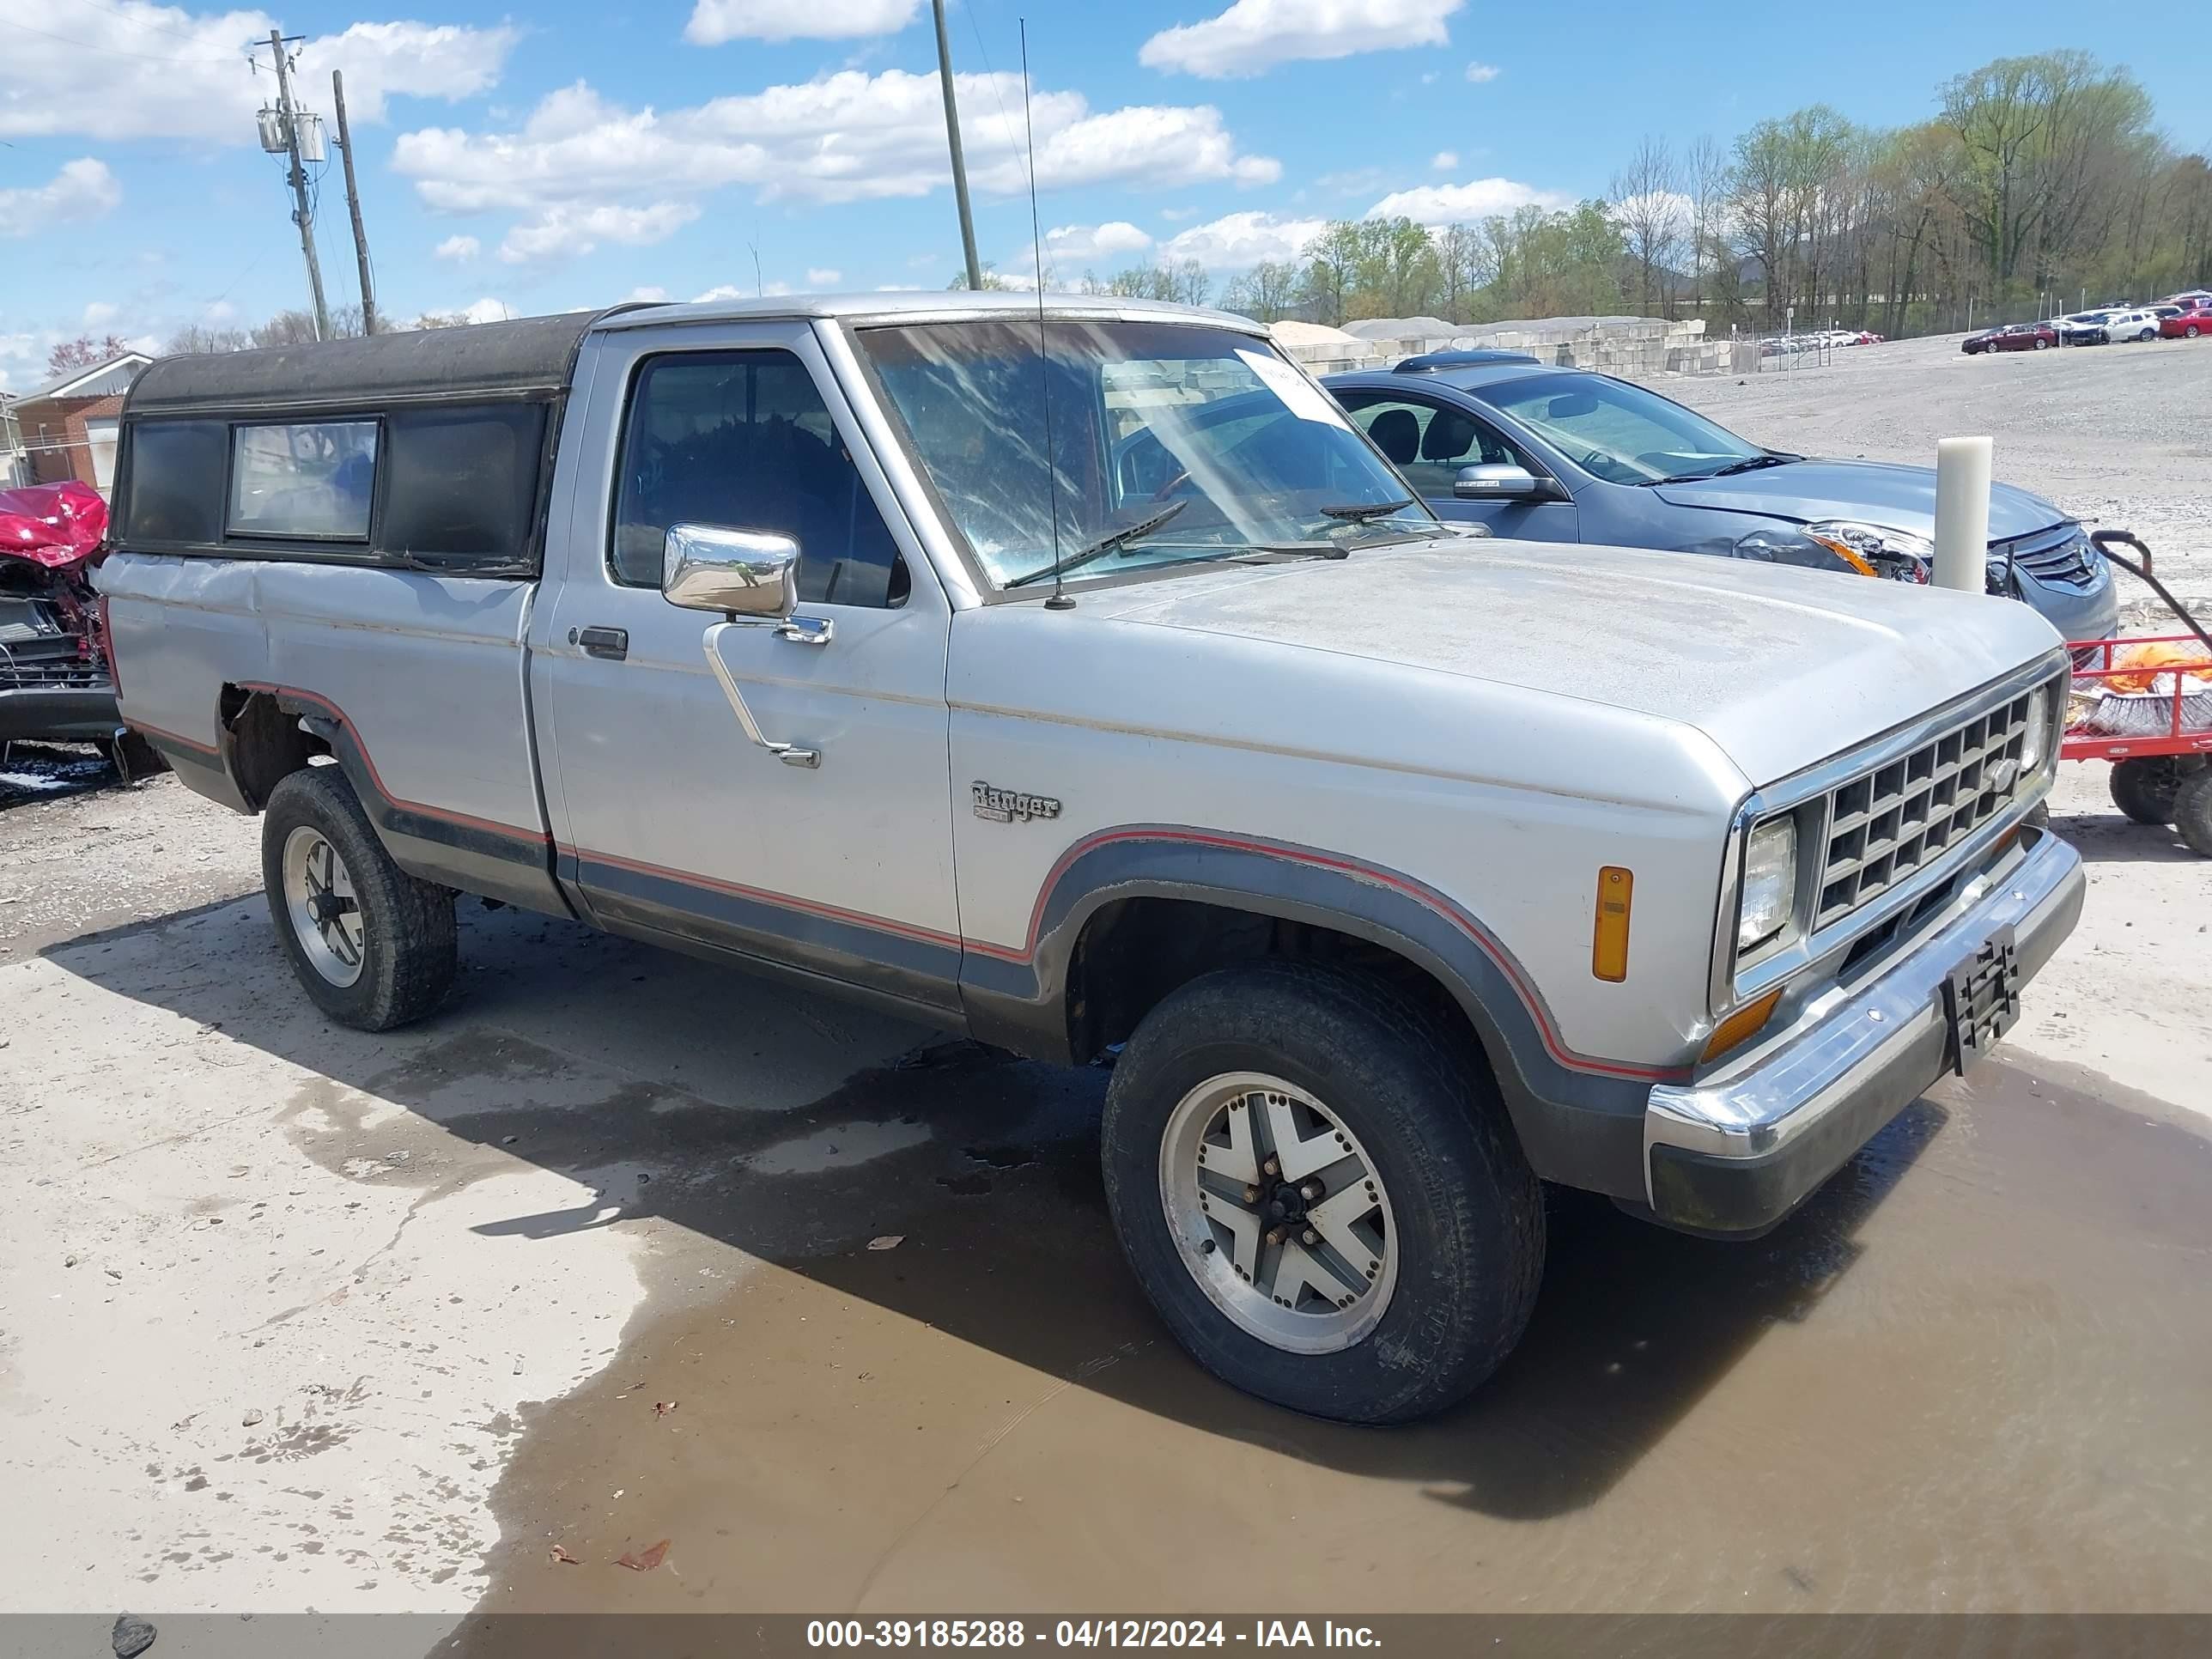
(1361, 512)
(1752, 463)
(1748, 464)
(1112, 540)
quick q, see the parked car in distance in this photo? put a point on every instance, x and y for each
(2191, 319)
(2137, 324)
(2085, 328)
(1395, 870)
(1566, 454)
(2011, 336)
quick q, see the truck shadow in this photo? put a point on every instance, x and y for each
(2109, 838)
(557, 1050)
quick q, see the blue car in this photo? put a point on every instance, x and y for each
(1565, 455)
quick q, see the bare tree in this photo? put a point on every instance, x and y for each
(84, 352)
(1705, 180)
(1648, 202)
(195, 340)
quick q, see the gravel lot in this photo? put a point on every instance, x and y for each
(2119, 435)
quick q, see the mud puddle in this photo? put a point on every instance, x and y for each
(41, 771)
(1972, 1375)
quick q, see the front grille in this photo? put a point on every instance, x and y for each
(2058, 557)
(1901, 817)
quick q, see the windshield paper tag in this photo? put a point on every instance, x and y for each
(1300, 396)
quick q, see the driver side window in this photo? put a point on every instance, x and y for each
(1430, 442)
(743, 440)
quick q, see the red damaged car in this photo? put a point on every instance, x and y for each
(54, 678)
(2192, 318)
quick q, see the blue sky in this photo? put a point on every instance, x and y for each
(542, 160)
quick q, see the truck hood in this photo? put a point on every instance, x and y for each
(1895, 497)
(1780, 667)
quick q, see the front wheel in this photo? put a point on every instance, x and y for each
(2189, 333)
(373, 946)
(2043, 345)
(1320, 1193)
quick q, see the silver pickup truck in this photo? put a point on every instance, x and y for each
(940, 651)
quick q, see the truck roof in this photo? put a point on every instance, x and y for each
(534, 355)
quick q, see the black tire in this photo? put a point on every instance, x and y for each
(1467, 1213)
(2192, 811)
(408, 953)
(2144, 788)
(2042, 345)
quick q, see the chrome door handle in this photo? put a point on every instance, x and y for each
(806, 630)
(789, 754)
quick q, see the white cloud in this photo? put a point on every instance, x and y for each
(1253, 36)
(560, 231)
(714, 22)
(218, 311)
(167, 72)
(82, 189)
(1445, 160)
(100, 312)
(843, 137)
(650, 294)
(1238, 241)
(719, 291)
(817, 278)
(1480, 72)
(1070, 250)
(487, 310)
(1452, 205)
(458, 249)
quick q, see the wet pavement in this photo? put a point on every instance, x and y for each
(1975, 1373)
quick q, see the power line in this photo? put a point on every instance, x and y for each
(142, 23)
(113, 51)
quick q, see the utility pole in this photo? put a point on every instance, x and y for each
(959, 162)
(353, 206)
(301, 215)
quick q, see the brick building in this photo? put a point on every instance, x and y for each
(68, 426)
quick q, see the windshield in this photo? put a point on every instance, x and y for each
(1617, 431)
(1169, 442)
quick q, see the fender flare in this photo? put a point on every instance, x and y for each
(1579, 1116)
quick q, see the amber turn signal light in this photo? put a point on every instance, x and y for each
(1740, 1027)
(1616, 887)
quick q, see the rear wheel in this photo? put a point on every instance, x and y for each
(2189, 332)
(2192, 811)
(1320, 1193)
(2144, 788)
(2042, 345)
(371, 945)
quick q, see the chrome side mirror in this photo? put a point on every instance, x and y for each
(740, 573)
(1490, 483)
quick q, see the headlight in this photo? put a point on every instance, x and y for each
(1770, 882)
(2035, 736)
(1897, 554)
(1783, 545)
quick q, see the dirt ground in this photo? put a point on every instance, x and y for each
(300, 1318)
(2117, 435)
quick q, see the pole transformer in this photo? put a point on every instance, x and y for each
(301, 215)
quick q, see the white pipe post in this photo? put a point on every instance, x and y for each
(1962, 512)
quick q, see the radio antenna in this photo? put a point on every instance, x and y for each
(1059, 601)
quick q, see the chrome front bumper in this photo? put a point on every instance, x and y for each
(1735, 1152)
